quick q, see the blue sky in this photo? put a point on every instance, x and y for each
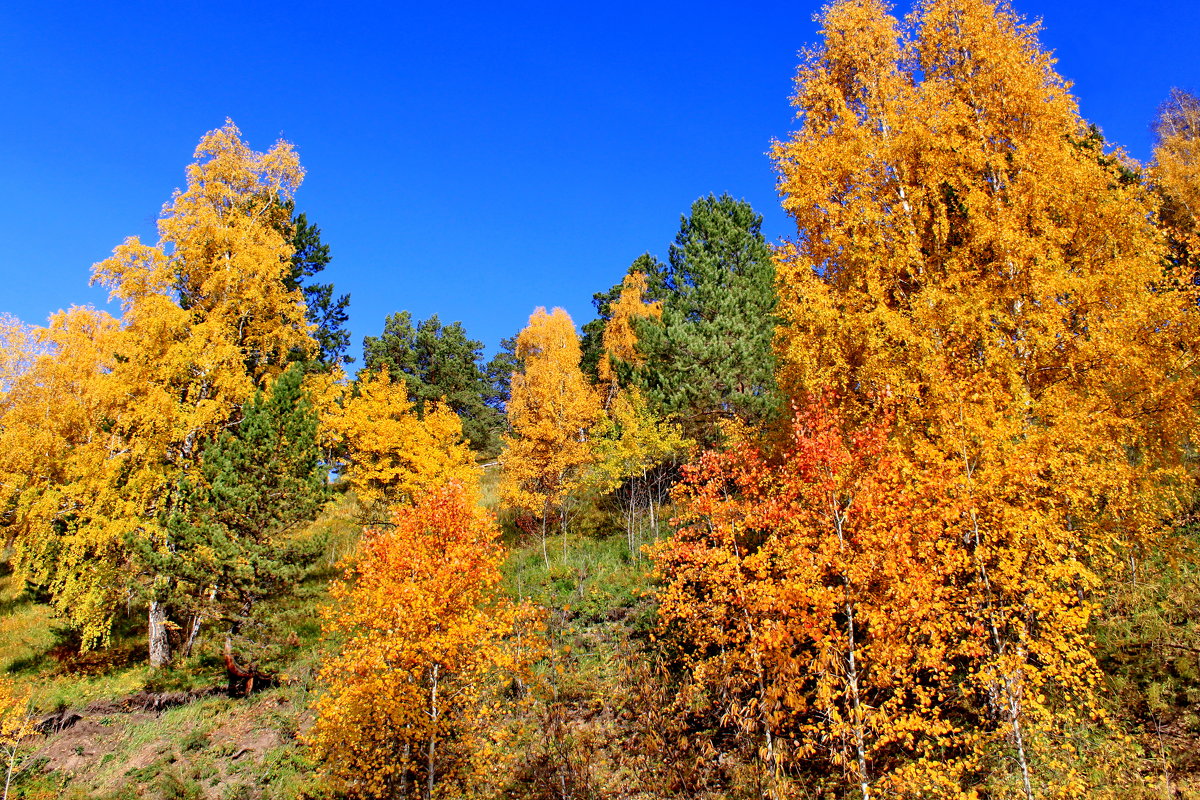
(473, 162)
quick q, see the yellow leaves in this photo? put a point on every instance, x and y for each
(620, 339)
(968, 256)
(101, 429)
(391, 454)
(16, 720)
(629, 440)
(57, 462)
(1176, 174)
(550, 411)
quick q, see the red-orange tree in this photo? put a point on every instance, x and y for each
(806, 592)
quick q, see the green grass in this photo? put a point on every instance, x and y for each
(592, 579)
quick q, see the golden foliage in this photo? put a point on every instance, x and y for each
(16, 726)
(967, 253)
(60, 467)
(620, 338)
(391, 454)
(423, 638)
(550, 411)
(1176, 173)
(108, 420)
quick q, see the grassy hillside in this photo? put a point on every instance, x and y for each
(129, 732)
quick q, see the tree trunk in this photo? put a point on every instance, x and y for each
(433, 716)
(193, 632)
(12, 762)
(160, 646)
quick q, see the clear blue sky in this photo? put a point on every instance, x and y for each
(476, 160)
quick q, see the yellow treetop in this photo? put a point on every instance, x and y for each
(550, 411)
(393, 455)
(968, 253)
(620, 338)
(1177, 174)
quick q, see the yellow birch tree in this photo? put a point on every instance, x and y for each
(551, 409)
(967, 251)
(1176, 175)
(207, 317)
(391, 455)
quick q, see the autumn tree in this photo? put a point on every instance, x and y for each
(636, 457)
(207, 317)
(963, 251)
(620, 338)
(550, 411)
(592, 342)
(422, 632)
(389, 453)
(708, 356)
(802, 592)
(16, 728)
(60, 470)
(1176, 175)
(440, 364)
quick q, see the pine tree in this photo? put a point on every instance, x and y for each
(329, 316)
(230, 542)
(710, 356)
(439, 364)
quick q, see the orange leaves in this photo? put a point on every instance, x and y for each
(421, 633)
(807, 588)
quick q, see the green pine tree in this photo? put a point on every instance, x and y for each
(710, 357)
(232, 532)
(311, 256)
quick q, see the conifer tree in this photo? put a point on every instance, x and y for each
(710, 356)
(328, 315)
(231, 543)
(439, 364)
